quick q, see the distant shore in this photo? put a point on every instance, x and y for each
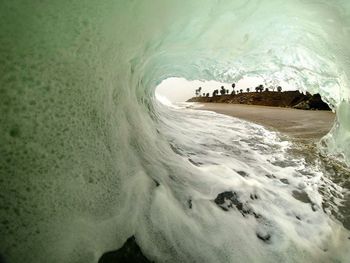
(301, 124)
(288, 99)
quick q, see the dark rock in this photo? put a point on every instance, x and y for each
(304, 105)
(298, 217)
(316, 103)
(301, 196)
(227, 200)
(130, 252)
(230, 197)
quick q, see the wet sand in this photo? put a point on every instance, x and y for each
(301, 124)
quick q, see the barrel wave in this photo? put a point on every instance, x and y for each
(90, 158)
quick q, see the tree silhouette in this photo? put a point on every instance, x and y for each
(222, 90)
(279, 88)
(198, 91)
(248, 89)
(215, 92)
(241, 91)
(233, 88)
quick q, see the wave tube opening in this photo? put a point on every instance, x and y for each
(86, 160)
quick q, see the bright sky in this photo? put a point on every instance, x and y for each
(180, 89)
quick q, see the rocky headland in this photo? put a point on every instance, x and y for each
(289, 99)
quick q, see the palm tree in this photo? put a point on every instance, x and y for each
(248, 89)
(222, 90)
(233, 88)
(261, 88)
(241, 90)
(198, 91)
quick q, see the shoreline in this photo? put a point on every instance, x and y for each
(286, 99)
(300, 124)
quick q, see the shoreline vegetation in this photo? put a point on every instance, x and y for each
(288, 99)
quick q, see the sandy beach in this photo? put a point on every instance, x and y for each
(301, 124)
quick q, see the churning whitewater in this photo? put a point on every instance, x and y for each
(271, 199)
(89, 158)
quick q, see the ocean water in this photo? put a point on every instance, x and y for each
(286, 192)
(88, 157)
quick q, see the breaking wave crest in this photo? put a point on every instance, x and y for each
(88, 157)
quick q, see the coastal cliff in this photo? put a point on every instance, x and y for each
(289, 99)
